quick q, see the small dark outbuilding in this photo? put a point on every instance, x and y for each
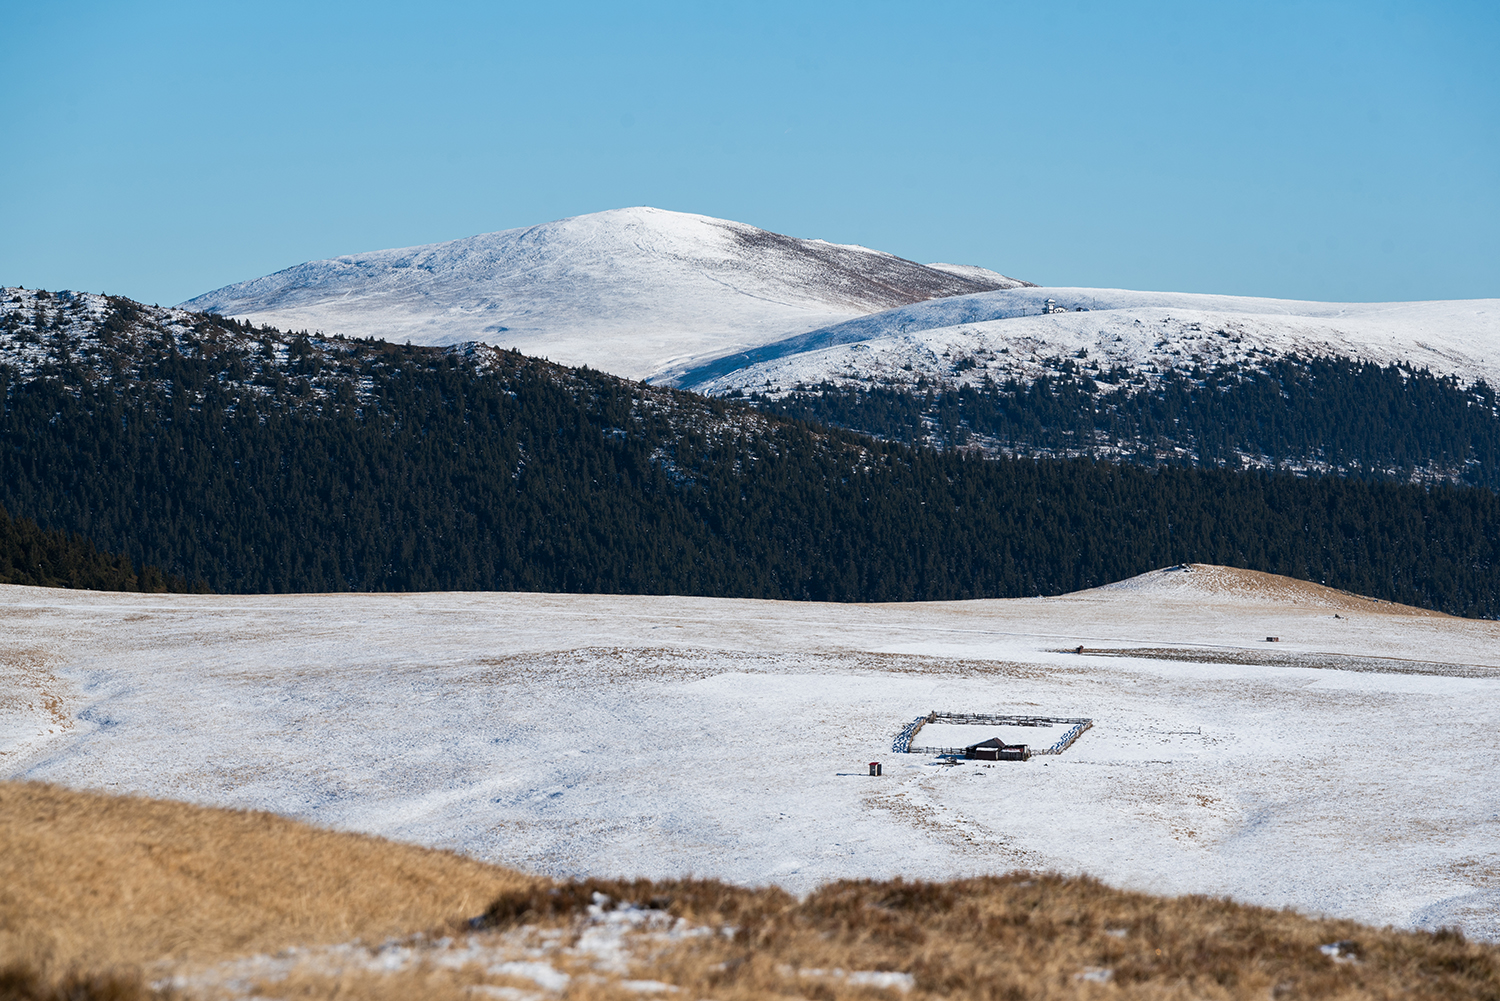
(996, 749)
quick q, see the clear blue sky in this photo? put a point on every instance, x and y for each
(1304, 150)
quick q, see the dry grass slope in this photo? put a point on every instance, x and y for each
(1221, 581)
(103, 882)
(1026, 936)
(98, 893)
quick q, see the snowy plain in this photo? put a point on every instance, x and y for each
(1347, 769)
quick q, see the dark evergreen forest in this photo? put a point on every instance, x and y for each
(257, 461)
(31, 555)
(1309, 414)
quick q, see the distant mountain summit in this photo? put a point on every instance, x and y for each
(639, 292)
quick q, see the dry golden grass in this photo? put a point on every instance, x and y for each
(1026, 936)
(95, 881)
(1211, 578)
(98, 891)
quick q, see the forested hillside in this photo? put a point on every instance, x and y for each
(1308, 415)
(31, 555)
(257, 460)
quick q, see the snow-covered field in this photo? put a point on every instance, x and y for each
(1347, 769)
(1006, 334)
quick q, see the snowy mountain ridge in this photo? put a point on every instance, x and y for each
(1025, 333)
(638, 292)
(718, 306)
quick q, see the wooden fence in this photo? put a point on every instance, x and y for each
(903, 742)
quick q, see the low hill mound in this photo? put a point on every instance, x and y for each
(1195, 582)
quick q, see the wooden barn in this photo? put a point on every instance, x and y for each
(996, 749)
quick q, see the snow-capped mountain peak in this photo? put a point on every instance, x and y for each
(639, 292)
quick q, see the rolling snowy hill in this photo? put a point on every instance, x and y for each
(637, 292)
(1008, 334)
(1401, 390)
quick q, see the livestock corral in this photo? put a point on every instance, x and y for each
(989, 733)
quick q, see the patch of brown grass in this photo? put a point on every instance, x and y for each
(1212, 578)
(98, 882)
(697, 901)
(22, 982)
(1023, 936)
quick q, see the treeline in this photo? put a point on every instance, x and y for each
(31, 555)
(261, 462)
(1326, 414)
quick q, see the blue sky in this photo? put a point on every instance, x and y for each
(1303, 150)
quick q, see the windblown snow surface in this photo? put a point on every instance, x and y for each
(1007, 334)
(1347, 769)
(636, 292)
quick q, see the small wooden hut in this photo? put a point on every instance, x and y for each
(996, 749)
